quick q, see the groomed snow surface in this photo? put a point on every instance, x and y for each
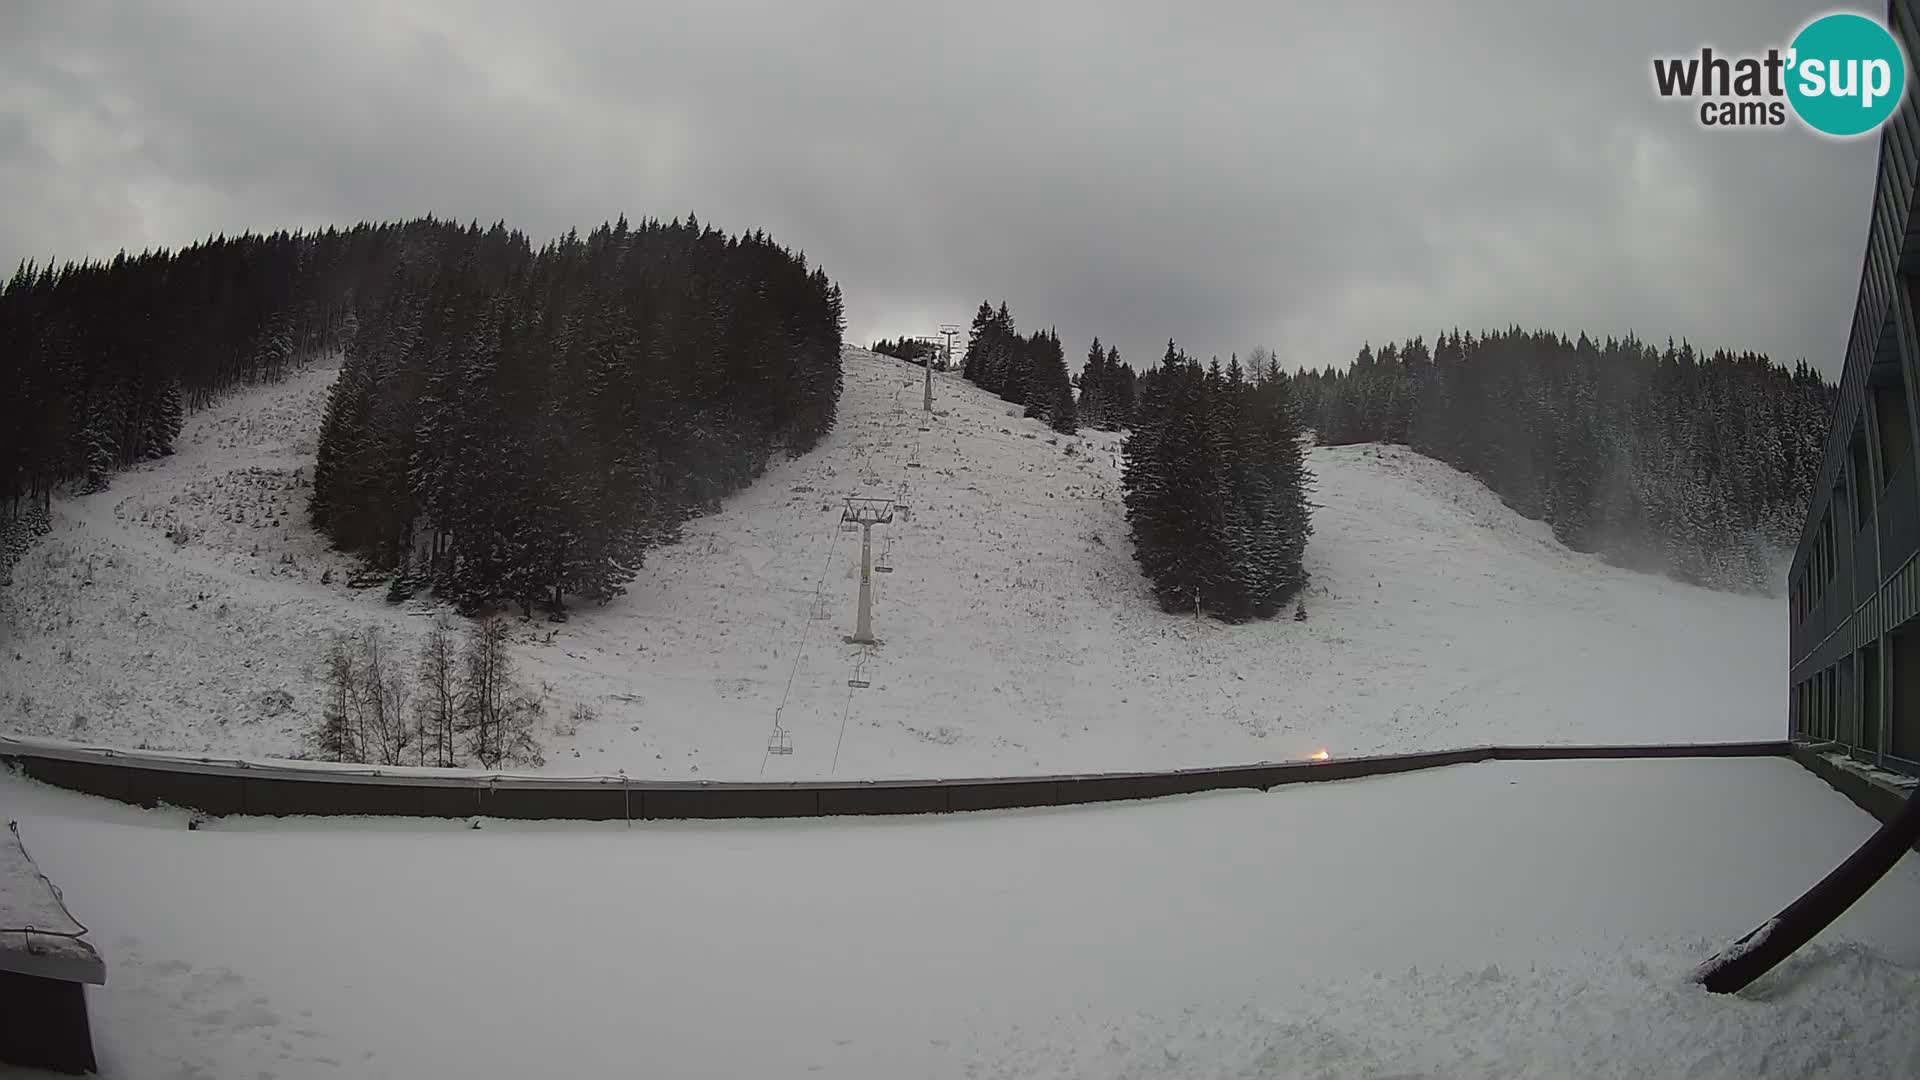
(185, 609)
(1493, 920)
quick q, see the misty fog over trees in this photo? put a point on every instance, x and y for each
(1698, 465)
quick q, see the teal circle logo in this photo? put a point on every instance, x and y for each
(1846, 74)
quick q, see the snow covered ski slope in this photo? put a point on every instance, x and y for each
(187, 607)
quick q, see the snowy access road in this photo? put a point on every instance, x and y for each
(1501, 919)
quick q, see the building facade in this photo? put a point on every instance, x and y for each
(1854, 592)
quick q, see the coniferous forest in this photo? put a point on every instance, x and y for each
(523, 425)
(1700, 466)
(99, 361)
(1215, 486)
(1029, 371)
(509, 425)
(911, 350)
(1108, 387)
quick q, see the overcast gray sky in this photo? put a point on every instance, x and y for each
(1227, 174)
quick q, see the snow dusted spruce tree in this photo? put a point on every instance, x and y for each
(1049, 389)
(1215, 489)
(1107, 387)
(993, 360)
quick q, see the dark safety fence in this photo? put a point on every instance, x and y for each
(222, 787)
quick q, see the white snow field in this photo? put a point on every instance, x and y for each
(184, 609)
(1493, 920)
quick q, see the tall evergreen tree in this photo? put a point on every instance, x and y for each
(1049, 391)
(1092, 384)
(1215, 488)
(1120, 392)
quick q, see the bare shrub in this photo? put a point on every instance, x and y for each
(496, 714)
(386, 732)
(582, 713)
(437, 709)
(337, 737)
(468, 706)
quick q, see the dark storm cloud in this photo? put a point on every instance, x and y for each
(1229, 175)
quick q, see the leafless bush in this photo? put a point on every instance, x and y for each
(337, 737)
(582, 713)
(437, 710)
(387, 735)
(364, 718)
(468, 706)
(497, 716)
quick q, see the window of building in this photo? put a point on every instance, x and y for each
(1823, 548)
(1823, 705)
(1834, 703)
(1896, 428)
(1903, 659)
(1868, 724)
(1829, 563)
(1864, 487)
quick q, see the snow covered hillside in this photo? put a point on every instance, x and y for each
(187, 608)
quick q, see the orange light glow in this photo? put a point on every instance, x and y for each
(1319, 755)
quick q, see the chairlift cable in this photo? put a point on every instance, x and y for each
(800, 645)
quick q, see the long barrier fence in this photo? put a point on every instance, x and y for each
(267, 788)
